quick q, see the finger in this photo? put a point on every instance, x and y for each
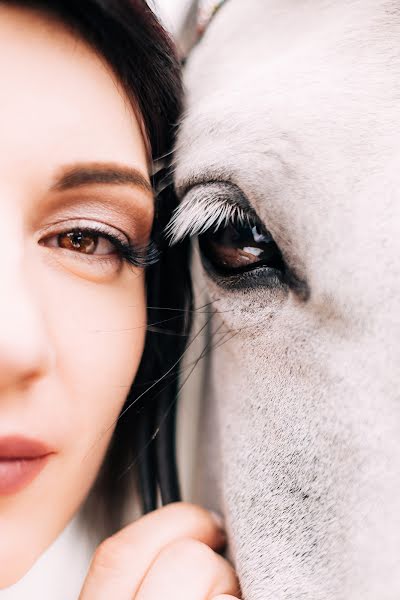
(121, 562)
(188, 570)
(225, 597)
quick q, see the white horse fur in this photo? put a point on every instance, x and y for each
(297, 104)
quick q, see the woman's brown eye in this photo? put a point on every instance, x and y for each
(85, 242)
(78, 241)
(239, 247)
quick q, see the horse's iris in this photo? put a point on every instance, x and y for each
(239, 247)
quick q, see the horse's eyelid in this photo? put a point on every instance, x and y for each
(195, 217)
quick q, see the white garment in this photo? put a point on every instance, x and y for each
(60, 571)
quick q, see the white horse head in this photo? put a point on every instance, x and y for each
(293, 128)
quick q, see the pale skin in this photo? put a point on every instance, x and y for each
(74, 315)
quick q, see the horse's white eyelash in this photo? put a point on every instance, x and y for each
(194, 217)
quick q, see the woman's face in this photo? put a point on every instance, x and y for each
(72, 312)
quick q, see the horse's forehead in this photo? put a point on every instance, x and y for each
(264, 31)
(288, 62)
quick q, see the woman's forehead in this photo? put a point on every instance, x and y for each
(60, 101)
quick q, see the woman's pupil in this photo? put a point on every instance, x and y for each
(78, 241)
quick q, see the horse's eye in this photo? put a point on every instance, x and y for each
(240, 246)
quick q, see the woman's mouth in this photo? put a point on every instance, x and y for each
(21, 460)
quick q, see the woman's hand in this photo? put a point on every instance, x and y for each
(165, 555)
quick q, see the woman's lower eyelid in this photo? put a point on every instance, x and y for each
(92, 258)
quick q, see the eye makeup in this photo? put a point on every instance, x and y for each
(83, 238)
(99, 225)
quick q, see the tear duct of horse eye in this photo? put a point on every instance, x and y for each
(240, 247)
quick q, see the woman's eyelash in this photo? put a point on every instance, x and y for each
(207, 213)
(137, 256)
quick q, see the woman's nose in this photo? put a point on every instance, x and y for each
(25, 353)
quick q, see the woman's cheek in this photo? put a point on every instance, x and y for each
(97, 333)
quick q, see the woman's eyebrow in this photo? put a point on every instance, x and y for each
(83, 174)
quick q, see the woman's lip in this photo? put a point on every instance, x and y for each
(17, 473)
(21, 460)
(20, 447)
